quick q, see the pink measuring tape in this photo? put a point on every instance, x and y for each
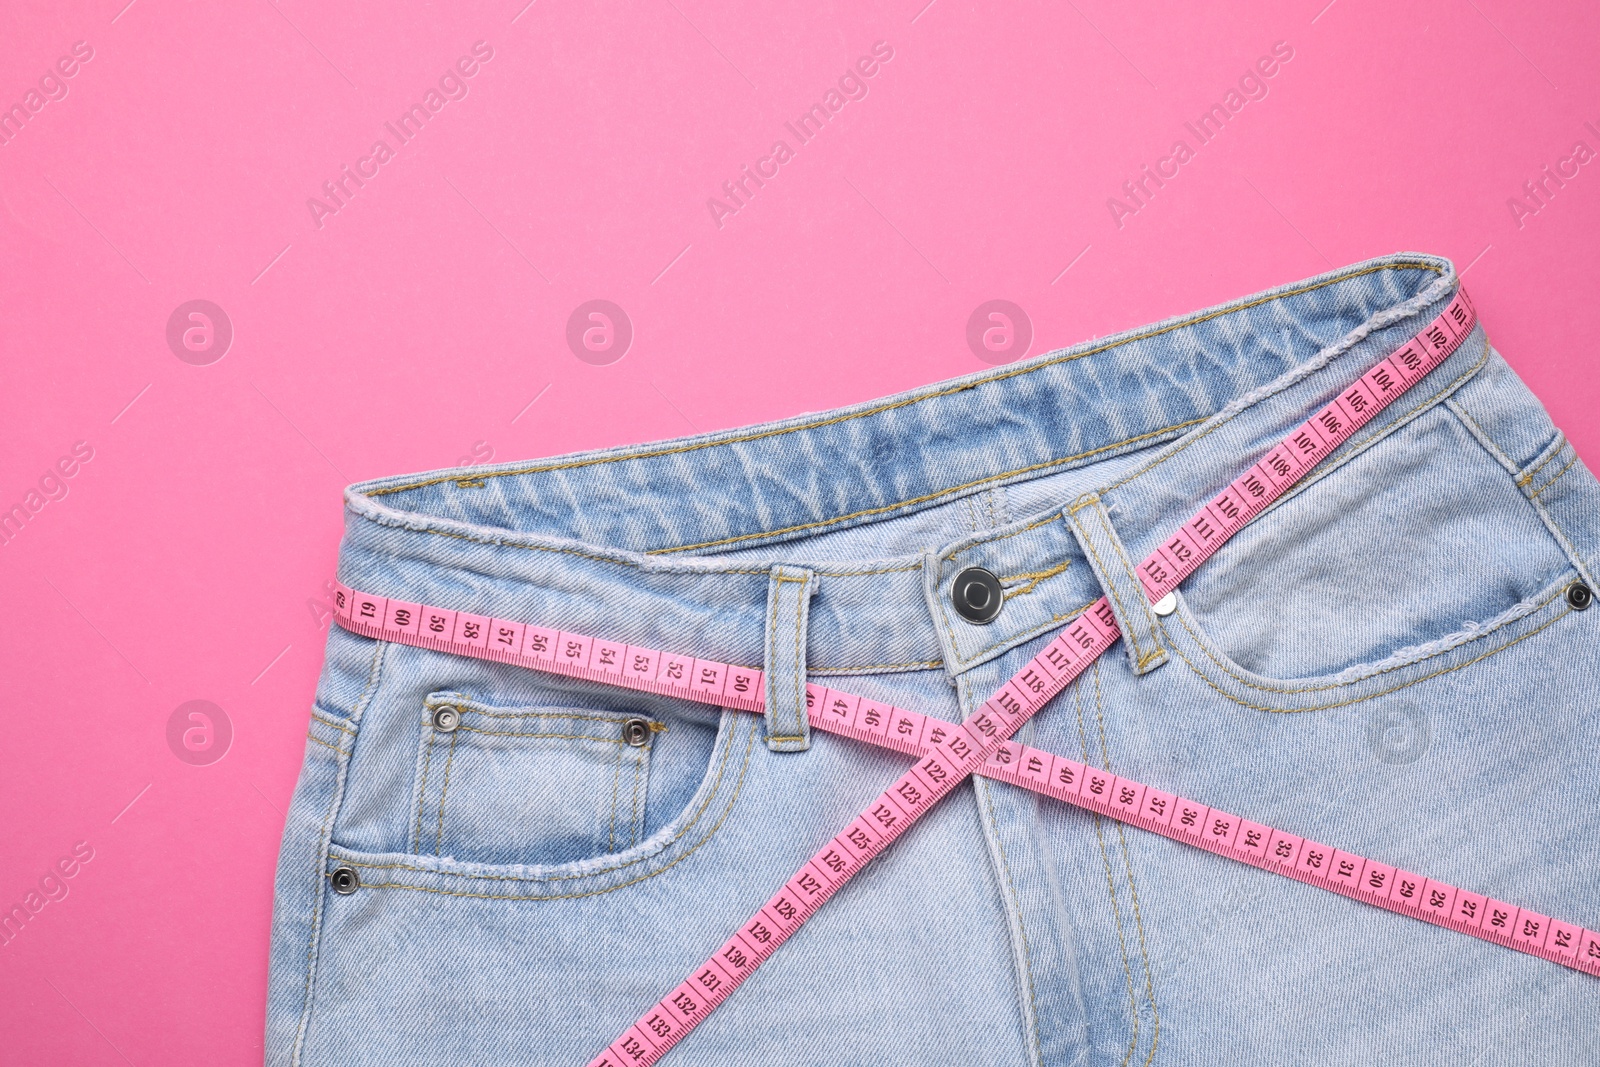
(949, 752)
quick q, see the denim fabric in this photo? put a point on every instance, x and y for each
(1385, 661)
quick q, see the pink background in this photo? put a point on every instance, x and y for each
(424, 324)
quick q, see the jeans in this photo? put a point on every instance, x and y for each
(1389, 660)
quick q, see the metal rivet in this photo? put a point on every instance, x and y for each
(345, 880)
(976, 596)
(1166, 605)
(1579, 596)
(636, 732)
(446, 719)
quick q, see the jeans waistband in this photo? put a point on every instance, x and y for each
(671, 545)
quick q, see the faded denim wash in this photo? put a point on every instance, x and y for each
(1386, 661)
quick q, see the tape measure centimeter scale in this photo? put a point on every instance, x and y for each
(980, 744)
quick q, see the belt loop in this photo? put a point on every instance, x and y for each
(788, 606)
(1091, 524)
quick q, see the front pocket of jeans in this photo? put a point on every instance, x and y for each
(1406, 547)
(529, 785)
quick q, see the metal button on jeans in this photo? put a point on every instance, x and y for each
(1579, 596)
(976, 596)
(345, 880)
(636, 732)
(446, 719)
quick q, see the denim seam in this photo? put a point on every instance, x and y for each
(1133, 886)
(1557, 444)
(772, 634)
(1022, 927)
(374, 676)
(449, 761)
(1111, 892)
(1552, 450)
(929, 497)
(1353, 448)
(399, 523)
(330, 722)
(1133, 638)
(799, 673)
(1144, 602)
(1046, 521)
(498, 711)
(1229, 416)
(799, 656)
(616, 780)
(1371, 696)
(921, 664)
(638, 775)
(1560, 534)
(1229, 670)
(430, 739)
(1144, 951)
(728, 810)
(1015, 639)
(909, 401)
(859, 574)
(558, 737)
(1570, 464)
(1033, 579)
(1482, 435)
(324, 744)
(716, 787)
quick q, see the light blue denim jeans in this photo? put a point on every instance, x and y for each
(1389, 660)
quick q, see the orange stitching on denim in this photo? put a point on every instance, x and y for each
(738, 788)
(1379, 434)
(438, 837)
(921, 664)
(1557, 446)
(780, 581)
(1111, 889)
(330, 722)
(1157, 655)
(422, 787)
(498, 542)
(1133, 886)
(1195, 320)
(556, 737)
(1370, 696)
(799, 658)
(1232, 672)
(1144, 950)
(1570, 464)
(1033, 580)
(931, 496)
(1082, 502)
(324, 744)
(638, 772)
(374, 673)
(1046, 521)
(466, 703)
(1017, 639)
(716, 786)
(858, 574)
(611, 844)
(1111, 587)
(1027, 951)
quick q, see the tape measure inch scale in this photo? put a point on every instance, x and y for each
(949, 752)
